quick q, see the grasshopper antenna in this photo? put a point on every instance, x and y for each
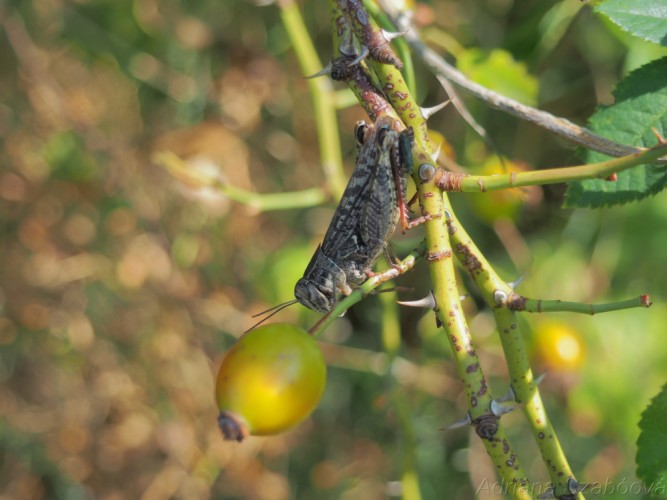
(275, 309)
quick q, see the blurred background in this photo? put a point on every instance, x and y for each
(122, 286)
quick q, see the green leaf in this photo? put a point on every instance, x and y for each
(497, 70)
(646, 19)
(640, 107)
(652, 445)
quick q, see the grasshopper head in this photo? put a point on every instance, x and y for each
(307, 293)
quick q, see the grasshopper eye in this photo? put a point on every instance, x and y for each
(360, 132)
(381, 135)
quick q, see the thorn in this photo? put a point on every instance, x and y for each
(548, 493)
(508, 396)
(463, 297)
(324, 71)
(465, 421)
(360, 57)
(658, 135)
(514, 284)
(346, 46)
(612, 178)
(390, 35)
(498, 410)
(428, 112)
(427, 302)
(575, 486)
(436, 153)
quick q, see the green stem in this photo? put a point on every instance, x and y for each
(322, 94)
(481, 183)
(523, 380)
(402, 48)
(448, 310)
(410, 477)
(391, 332)
(391, 341)
(274, 201)
(517, 302)
(260, 202)
(450, 315)
(398, 94)
(527, 393)
(401, 98)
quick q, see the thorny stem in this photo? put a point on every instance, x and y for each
(481, 183)
(322, 94)
(497, 293)
(559, 126)
(523, 381)
(449, 314)
(256, 201)
(393, 88)
(398, 94)
(358, 80)
(516, 302)
(400, 44)
(527, 393)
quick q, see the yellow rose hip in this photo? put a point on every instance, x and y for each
(269, 381)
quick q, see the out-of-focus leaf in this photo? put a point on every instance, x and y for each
(68, 158)
(497, 70)
(646, 19)
(652, 445)
(501, 204)
(640, 108)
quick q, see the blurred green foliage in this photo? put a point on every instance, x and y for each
(121, 286)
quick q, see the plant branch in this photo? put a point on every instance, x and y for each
(359, 81)
(449, 314)
(524, 386)
(451, 181)
(400, 97)
(448, 310)
(559, 126)
(516, 302)
(323, 97)
(391, 341)
(257, 201)
(526, 392)
(401, 46)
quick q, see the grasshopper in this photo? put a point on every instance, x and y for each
(366, 217)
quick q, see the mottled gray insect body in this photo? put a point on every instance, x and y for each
(365, 218)
(317, 289)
